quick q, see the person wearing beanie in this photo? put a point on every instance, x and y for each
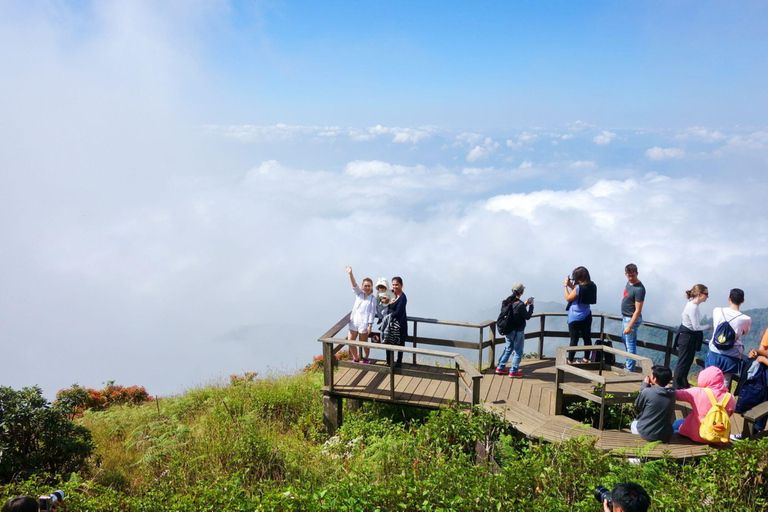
(518, 313)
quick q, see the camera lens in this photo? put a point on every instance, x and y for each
(602, 494)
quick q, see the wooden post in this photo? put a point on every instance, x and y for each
(458, 376)
(542, 318)
(492, 351)
(415, 331)
(353, 404)
(476, 390)
(332, 406)
(602, 407)
(392, 358)
(328, 359)
(559, 378)
(480, 352)
(668, 354)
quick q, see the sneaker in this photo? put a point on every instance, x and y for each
(366, 361)
(736, 437)
(501, 370)
(355, 360)
(518, 374)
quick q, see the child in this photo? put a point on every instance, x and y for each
(713, 379)
(384, 297)
(656, 404)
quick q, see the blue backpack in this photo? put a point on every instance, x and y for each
(725, 336)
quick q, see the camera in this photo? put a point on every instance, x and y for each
(46, 502)
(602, 494)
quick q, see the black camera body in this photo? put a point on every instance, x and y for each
(602, 494)
(46, 502)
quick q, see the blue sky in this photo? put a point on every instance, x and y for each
(183, 182)
(621, 64)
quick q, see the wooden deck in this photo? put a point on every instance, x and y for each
(528, 403)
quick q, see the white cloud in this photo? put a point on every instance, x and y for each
(587, 165)
(700, 133)
(525, 165)
(481, 152)
(604, 138)
(522, 141)
(656, 153)
(756, 141)
(367, 169)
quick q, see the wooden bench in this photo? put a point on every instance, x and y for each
(751, 416)
(597, 378)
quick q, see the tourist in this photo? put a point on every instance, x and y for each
(690, 334)
(713, 379)
(361, 317)
(514, 330)
(725, 353)
(628, 497)
(655, 405)
(632, 311)
(580, 292)
(397, 331)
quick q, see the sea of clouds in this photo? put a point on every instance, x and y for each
(144, 241)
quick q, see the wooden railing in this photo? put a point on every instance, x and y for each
(600, 335)
(465, 376)
(494, 339)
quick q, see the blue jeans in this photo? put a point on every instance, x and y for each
(516, 343)
(630, 340)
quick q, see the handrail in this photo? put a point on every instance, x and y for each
(469, 380)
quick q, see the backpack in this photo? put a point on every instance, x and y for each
(716, 425)
(725, 336)
(504, 322)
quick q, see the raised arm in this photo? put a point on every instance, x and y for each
(351, 275)
(570, 290)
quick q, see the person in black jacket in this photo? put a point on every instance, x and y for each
(519, 312)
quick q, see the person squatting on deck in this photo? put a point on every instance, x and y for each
(710, 378)
(727, 351)
(580, 292)
(690, 334)
(513, 317)
(632, 311)
(361, 318)
(397, 330)
(656, 406)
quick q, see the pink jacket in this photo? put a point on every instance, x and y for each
(711, 378)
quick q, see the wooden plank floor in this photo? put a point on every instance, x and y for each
(527, 403)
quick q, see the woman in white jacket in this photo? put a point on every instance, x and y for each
(361, 317)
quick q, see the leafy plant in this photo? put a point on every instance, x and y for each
(616, 415)
(36, 438)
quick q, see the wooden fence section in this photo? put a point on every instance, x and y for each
(530, 403)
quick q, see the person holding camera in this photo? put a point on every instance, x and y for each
(626, 497)
(514, 314)
(580, 292)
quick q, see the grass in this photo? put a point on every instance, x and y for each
(258, 444)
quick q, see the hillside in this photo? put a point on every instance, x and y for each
(258, 444)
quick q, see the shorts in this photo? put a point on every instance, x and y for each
(357, 328)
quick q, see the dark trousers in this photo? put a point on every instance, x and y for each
(688, 343)
(581, 329)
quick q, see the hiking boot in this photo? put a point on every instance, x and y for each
(517, 374)
(501, 370)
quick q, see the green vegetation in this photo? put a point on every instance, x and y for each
(259, 444)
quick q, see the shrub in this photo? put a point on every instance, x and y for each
(77, 399)
(36, 438)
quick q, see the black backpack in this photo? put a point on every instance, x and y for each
(725, 336)
(504, 322)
